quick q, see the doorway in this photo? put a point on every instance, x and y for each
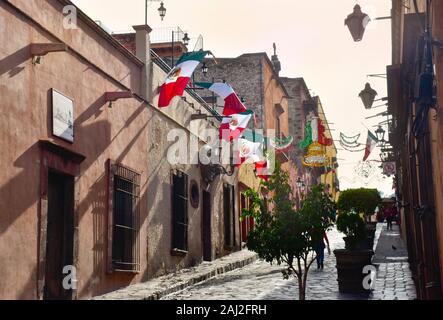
(60, 234)
(206, 223)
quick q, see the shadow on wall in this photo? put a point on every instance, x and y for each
(16, 199)
(11, 63)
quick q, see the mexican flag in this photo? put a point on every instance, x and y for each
(178, 78)
(315, 132)
(232, 126)
(308, 137)
(371, 141)
(248, 151)
(233, 105)
(260, 169)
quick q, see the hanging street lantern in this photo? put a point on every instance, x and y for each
(186, 39)
(368, 95)
(162, 10)
(384, 156)
(380, 134)
(204, 69)
(357, 22)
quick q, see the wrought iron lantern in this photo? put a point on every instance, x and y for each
(357, 22)
(204, 69)
(380, 132)
(384, 156)
(186, 39)
(162, 11)
(368, 95)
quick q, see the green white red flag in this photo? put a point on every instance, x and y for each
(261, 170)
(248, 151)
(233, 105)
(233, 126)
(371, 142)
(178, 78)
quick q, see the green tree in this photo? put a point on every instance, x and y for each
(360, 200)
(282, 234)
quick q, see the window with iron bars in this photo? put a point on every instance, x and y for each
(124, 219)
(179, 212)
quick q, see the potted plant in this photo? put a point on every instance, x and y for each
(284, 235)
(358, 250)
(363, 201)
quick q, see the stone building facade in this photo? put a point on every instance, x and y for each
(415, 136)
(105, 202)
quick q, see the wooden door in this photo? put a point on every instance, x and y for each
(60, 234)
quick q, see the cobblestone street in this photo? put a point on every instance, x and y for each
(261, 281)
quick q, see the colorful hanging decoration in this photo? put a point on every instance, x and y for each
(282, 145)
(315, 156)
(315, 141)
(178, 78)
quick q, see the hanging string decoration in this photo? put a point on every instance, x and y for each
(350, 143)
(365, 169)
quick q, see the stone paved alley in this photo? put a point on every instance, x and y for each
(252, 279)
(261, 281)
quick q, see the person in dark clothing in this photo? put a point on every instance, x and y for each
(389, 214)
(320, 250)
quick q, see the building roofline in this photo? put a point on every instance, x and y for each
(101, 32)
(298, 79)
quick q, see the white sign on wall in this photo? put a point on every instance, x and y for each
(62, 116)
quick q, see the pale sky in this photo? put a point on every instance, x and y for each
(312, 42)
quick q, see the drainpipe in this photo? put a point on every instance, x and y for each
(143, 52)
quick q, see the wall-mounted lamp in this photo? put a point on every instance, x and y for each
(162, 11)
(357, 22)
(186, 39)
(204, 69)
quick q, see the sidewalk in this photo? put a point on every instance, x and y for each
(394, 278)
(159, 287)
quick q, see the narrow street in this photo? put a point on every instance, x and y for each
(261, 281)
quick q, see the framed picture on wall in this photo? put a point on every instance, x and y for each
(62, 116)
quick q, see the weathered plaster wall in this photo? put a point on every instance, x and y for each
(131, 132)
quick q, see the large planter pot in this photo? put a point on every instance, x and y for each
(350, 264)
(366, 243)
(370, 235)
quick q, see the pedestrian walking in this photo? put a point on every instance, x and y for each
(319, 249)
(389, 212)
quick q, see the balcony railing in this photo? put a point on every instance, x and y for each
(167, 68)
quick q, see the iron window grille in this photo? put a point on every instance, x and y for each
(179, 212)
(124, 219)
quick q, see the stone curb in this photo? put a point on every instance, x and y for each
(137, 292)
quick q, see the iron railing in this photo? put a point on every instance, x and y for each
(167, 68)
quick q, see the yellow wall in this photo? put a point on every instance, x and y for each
(331, 152)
